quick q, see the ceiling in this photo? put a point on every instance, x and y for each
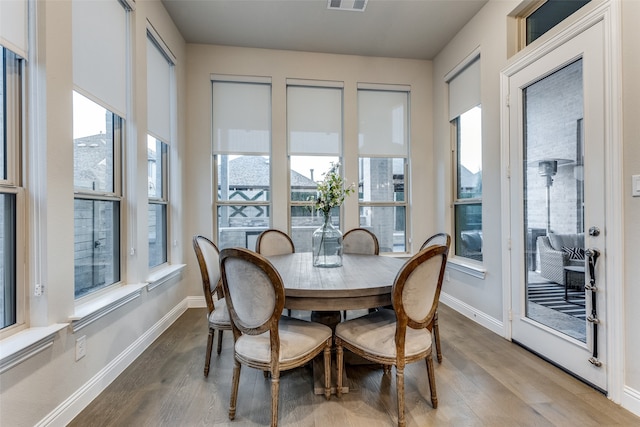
(416, 29)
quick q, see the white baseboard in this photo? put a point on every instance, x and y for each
(631, 400)
(74, 404)
(196, 302)
(472, 313)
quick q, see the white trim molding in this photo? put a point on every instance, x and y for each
(26, 344)
(76, 402)
(481, 318)
(607, 12)
(631, 400)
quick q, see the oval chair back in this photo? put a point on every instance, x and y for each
(360, 241)
(274, 242)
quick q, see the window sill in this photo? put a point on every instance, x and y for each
(164, 274)
(467, 267)
(25, 344)
(90, 311)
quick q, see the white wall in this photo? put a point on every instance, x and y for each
(478, 297)
(488, 31)
(51, 386)
(631, 148)
(204, 60)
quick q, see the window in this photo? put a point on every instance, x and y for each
(468, 198)
(157, 172)
(97, 137)
(314, 121)
(241, 148)
(545, 15)
(12, 291)
(465, 115)
(383, 148)
(100, 57)
(160, 100)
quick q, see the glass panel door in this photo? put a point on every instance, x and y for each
(557, 196)
(553, 201)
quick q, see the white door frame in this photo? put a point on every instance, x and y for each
(609, 13)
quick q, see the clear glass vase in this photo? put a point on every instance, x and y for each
(327, 245)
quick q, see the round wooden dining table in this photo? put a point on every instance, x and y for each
(363, 281)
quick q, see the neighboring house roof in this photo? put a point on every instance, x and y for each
(90, 154)
(468, 179)
(253, 171)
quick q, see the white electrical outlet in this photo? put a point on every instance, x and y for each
(446, 276)
(37, 291)
(81, 347)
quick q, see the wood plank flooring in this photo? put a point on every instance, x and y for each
(483, 380)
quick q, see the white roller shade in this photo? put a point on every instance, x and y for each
(464, 89)
(383, 123)
(13, 26)
(314, 120)
(241, 118)
(100, 52)
(159, 71)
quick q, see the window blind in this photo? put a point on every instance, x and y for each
(241, 118)
(159, 72)
(382, 123)
(13, 26)
(100, 52)
(314, 120)
(464, 89)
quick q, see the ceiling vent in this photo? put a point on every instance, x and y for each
(350, 5)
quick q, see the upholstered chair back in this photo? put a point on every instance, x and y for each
(360, 241)
(437, 239)
(253, 289)
(417, 287)
(208, 260)
(274, 242)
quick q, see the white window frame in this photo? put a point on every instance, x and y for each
(162, 199)
(294, 150)
(222, 148)
(464, 95)
(161, 110)
(14, 113)
(393, 153)
(115, 196)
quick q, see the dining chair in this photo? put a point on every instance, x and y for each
(275, 242)
(217, 313)
(263, 338)
(437, 239)
(401, 335)
(359, 241)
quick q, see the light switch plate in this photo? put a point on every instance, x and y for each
(635, 185)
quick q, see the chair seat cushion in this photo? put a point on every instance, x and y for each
(297, 338)
(375, 334)
(220, 315)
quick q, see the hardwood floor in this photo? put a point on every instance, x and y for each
(483, 380)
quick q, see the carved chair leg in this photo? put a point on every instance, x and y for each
(220, 331)
(275, 394)
(400, 392)
(436, 333)
(234, 389)
(207, 359)
(432, 381)
(327, 370)
(340, 366)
